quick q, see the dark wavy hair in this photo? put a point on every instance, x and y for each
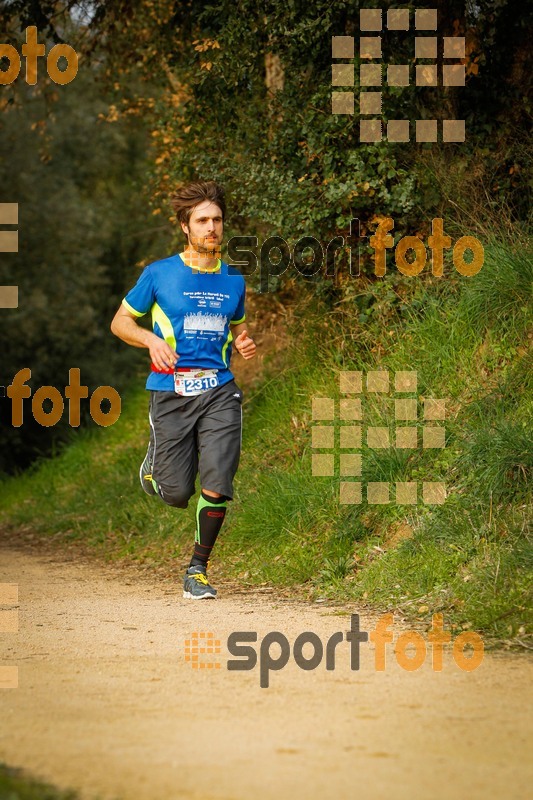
(186, 197)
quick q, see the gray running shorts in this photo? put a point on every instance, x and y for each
(196, 433)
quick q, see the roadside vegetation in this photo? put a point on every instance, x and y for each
(92, 165)
(470, 558)
(15, 784)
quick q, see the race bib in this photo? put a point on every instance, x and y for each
(197, 381)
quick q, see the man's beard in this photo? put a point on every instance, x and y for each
(203, 247)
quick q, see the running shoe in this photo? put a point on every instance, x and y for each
(145, 471)
(196, 586)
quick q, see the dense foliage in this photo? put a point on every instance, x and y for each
(78, 174)
(239, 92)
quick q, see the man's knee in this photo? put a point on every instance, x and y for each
(215, 495)
(175, 496)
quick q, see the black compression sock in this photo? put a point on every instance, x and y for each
(210, 514)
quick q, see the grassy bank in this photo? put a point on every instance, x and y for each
(469, 558)
(15, 784)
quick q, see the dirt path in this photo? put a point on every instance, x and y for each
(108, 704)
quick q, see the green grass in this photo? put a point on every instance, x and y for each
(470, 558)
(17, 785)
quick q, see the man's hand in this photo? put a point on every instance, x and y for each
(162, 355)
(124, 325)
(245, 345)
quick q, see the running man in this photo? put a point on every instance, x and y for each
(197, 307)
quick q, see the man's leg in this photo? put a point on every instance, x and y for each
(219, 442)
(175, 451)
(218, 429)
(171, 465)
(210, 513)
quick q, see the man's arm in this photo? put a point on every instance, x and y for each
(243, 343)
(124, 325)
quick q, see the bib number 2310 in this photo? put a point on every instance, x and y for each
(189, 384)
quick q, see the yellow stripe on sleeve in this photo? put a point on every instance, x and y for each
(225, 347)
(133, 310)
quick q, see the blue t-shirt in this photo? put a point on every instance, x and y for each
(192, 311)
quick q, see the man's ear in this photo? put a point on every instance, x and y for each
(185, 229)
